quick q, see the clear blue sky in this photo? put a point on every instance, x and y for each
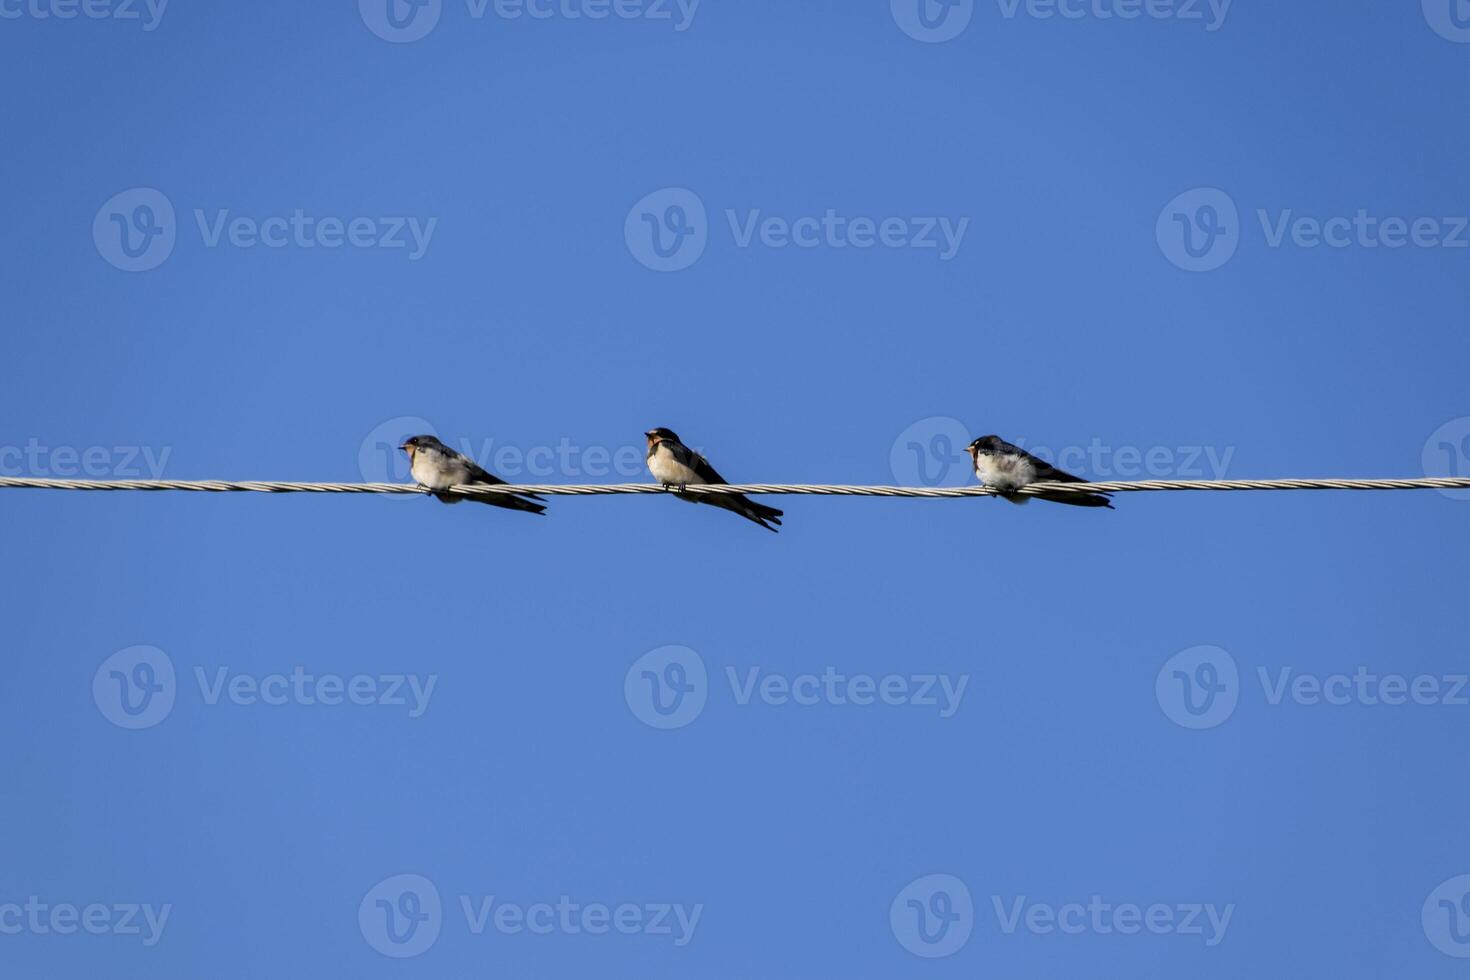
(529, 316)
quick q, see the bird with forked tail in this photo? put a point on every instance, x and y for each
(437, 467)
(1004, 467)
(676, 465)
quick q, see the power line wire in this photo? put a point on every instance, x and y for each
(825, 490)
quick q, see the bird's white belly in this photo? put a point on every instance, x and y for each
(666, 469)
(436, 473)
(1004, 472)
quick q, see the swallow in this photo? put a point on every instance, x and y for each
(1002, 466)
(676, 465)
(437, 467)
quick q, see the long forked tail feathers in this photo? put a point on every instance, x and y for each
(1077, 499)
(745, 507)
(760, 513)
(499, 500)
(769, 513)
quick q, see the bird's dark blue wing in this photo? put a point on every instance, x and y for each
(697, 463)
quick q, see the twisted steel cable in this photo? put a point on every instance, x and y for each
(811, 489)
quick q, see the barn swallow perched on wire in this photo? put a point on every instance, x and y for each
(1002, 466)
(676, 465)
(437, 467)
